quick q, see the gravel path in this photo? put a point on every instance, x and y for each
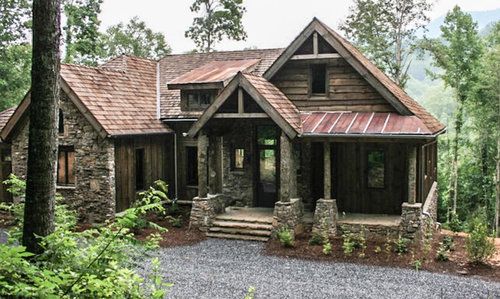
(226, 269)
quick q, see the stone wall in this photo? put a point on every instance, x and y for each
(288, 215)
(204, 210)
(325, 218)
(238, 184)
(93, 194)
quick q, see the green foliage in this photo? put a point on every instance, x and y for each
(16, 186)
(175, 221)
(216, 19)
(442, 253)
(317, 239)
(401, 245)
(417, 264)
(348, 244)
(448, 243)
(352, 241)
(15, 67)
(250, 293)
(386, 32)
(135, 38)
(286, 237)
(15, 22)
(377, 249)
(480, 247)
(455, 224)
(327, 248)
(82, 37)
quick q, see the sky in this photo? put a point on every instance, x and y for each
(269, 23)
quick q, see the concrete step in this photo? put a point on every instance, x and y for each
(256, 220)
(242, 224)
(239, 231)
(237, 237)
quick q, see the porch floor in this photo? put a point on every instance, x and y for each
(248, 214)
(361, 219)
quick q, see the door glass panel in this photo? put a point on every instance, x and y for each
(267, 161)
(267, 135)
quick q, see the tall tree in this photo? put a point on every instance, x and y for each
(135, 38)
(217, 19)
(385, 30)
(484, 106)
(15, 52)
(82, 37)
(43, 116)
(457, 52)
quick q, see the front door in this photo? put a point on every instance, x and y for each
(266, 166)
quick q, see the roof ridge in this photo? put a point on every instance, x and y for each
(223, 52)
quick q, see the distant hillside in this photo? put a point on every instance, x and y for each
(483, 18)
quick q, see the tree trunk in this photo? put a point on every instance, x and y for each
(43, 116)
(454, 179)
(497, 208)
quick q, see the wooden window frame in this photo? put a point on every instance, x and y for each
(198, 93)
(66, 149)
(367, 154)
(311, 78)
(140, 182)
(233, 158)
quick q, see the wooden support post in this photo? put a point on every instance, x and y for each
(315, 43)
(412, 174)
(328, 171)
(241, 107)
(202, 165)
(288, 180)
(213, 152)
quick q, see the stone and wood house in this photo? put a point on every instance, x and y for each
(254, 140)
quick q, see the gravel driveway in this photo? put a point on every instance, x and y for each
(226, 269)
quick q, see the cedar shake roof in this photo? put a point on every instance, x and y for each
(214, 72)
(5, 116)
(277, 99)
(120, 95)
(173, 66)
(432, 123)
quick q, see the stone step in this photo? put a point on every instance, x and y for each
(242, 224)
(237, 237)
(237, 231)
(225, 217)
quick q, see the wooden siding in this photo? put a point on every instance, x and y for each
(158, 164)
(350, 178)
(426, 169)
(347, 89)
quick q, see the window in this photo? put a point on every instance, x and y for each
(61, 122)
(198, 99)
(6, 155)
(318, 79)
(139, 169)
(376, 169)
(238, 159)
(66, 166)
(192, 165)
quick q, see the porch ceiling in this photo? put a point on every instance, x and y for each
(362, 123)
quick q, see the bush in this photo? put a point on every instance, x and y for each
(480, 247)
(352, 241)
(448, 243)
(327, 248)
(285, 236)
(442, 253)
(348, 244)
(455, 224)
(317, 239)
(401, 245)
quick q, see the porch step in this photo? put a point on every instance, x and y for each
(237, 237)
(241, 226)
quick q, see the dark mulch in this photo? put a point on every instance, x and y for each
(457, 263)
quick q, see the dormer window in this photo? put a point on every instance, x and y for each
(318, 79)
(197, 99)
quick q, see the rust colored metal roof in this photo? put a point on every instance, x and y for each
(5, 116)
(214, 72)
(173, 66)
(362, 123)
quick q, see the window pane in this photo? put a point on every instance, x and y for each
(318, 79)
(61, 168)
(239, 158)
(267, 135)
(71, 167)
(376, 169)
(192, 100)
(205, 99)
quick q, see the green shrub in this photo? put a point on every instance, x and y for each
(352, 241)
(480, 247)
(377, 249)
(317, 239)
(455, 224)
(15, 186)
(417, 264)
(175, 221)
(285, 236)
(401, 245)
(442, 253)
(448, 243)
(327, 248)
(348, 245)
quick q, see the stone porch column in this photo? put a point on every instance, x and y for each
(202, 165)
(412, 174)
(325, 214)
(213, 169)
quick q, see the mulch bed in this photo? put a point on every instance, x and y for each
(456, 265)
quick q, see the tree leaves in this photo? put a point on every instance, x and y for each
(218, 19)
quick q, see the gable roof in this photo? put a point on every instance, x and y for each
(5, 116)
(396, 96)
(279, 108)
(173, 66)
(116, 100)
